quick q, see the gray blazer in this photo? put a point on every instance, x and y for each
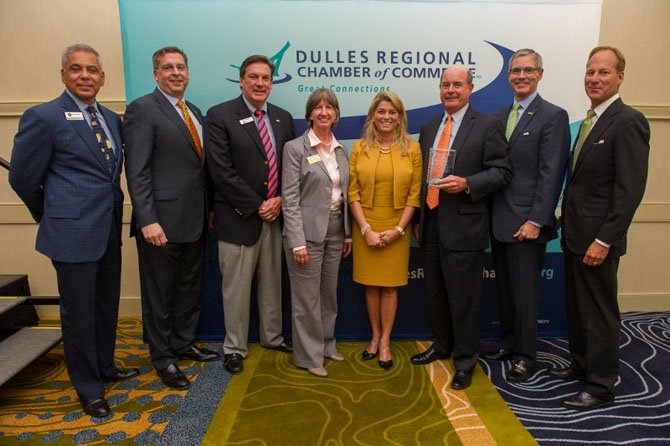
(306, 192)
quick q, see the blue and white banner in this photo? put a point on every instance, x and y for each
(358, 48)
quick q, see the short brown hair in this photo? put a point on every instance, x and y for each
(256, 58)
(620, 59)
(315, 98)
(168, 49)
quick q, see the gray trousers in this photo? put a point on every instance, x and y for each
(239, 264)
(314, 296)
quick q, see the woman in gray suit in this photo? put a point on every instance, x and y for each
(315, 178)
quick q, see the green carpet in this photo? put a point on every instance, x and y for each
(274, 403)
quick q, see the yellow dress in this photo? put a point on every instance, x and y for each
(385, 266)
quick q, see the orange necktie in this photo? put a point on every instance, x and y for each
(191, 127)
(439, 159)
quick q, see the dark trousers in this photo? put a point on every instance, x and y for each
(454, 283)
(593, 321)
(518, 267)
(170, 279)
(89, 309)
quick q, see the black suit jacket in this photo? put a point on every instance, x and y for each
(238, 166)
(482, 158)
(607, 183)
(539, 148)
(167, 180)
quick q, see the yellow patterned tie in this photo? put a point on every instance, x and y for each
(439, 159)
(191, 127)
(584, 130)
(511, 120)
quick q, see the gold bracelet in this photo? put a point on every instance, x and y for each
(400, 230)
(365, 227)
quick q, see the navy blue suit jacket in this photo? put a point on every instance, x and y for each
(539, 148)
(238, 166)
(58, 170)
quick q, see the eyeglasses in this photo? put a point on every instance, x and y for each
(526, 70)
(170, 67)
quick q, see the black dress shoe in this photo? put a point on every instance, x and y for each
(121, 375)
(521, 371)
(428, 356)
(462, 379)
(366, 355)
(233, 363)
(96, 407)
(585, 401)
(571, 372)
(199, 354)
(173, 377)
(498, 355)
(386, 364)
(285, 347)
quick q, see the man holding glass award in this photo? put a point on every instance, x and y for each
(465, 159)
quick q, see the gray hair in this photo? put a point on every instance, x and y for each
(79, 47)
(526, 52)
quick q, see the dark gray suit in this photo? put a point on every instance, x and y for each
(539, 148)
(167, 182)
(308, 221)
(454, 235)
(601, 195)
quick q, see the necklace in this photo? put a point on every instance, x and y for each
(384, 150)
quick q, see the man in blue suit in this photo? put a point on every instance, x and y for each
(65, 166)
(522, 218)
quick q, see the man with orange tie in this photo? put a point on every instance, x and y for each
(453, 226)
(168, 186)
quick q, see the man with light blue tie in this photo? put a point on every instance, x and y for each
(522, 217)
(65, 166)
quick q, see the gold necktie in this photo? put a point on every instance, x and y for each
(191, 127)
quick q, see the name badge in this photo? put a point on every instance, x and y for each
(313, 159)
(74, 116)
(246, 120)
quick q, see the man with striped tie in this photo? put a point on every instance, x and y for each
(167, 182)
(244, 138)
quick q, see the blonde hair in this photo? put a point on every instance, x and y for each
(371, 136)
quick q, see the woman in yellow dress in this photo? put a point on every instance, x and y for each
(384, 188)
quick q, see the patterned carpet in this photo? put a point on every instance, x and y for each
(275, 403)
(39, 406)
(641, 415)
(358, 404)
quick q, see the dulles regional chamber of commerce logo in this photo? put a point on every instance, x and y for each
(362, 72)
(277, 78)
